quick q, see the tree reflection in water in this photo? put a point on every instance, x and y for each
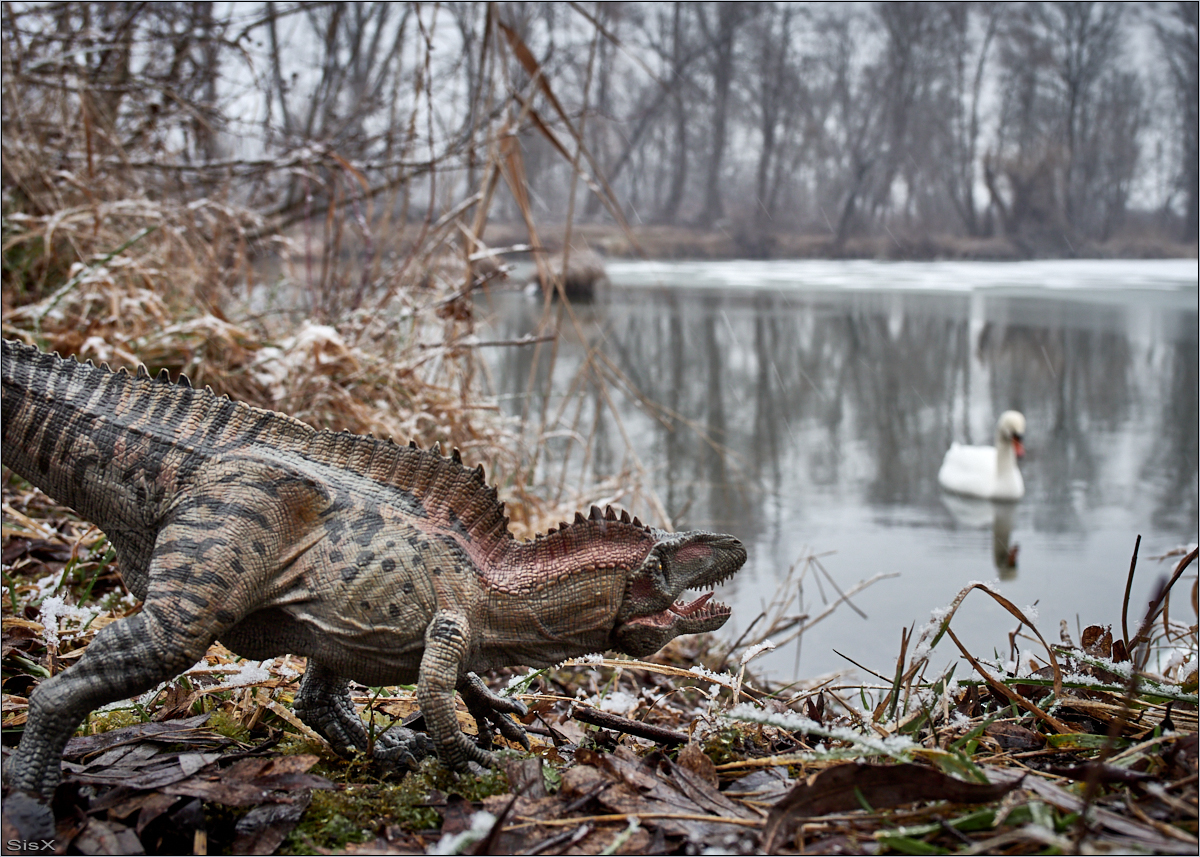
(793, 417)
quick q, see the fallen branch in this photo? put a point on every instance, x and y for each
(605, 720)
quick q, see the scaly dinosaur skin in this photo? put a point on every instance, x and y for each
(379, 563)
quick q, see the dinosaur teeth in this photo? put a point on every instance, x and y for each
(456, 456)
(595, 514)
(141, 371)
(610, 514)
(579, 519)
(624, 517)
(680, 608)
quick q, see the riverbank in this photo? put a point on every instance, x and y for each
(737, 242)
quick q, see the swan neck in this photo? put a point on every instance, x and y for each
(1006, 457)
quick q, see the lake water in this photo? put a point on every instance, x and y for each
(805, 408)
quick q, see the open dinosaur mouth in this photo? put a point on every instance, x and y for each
(703, 609)
(689, 609)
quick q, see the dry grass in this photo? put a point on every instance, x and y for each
(350, 311)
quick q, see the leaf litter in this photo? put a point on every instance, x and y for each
(1083, 749)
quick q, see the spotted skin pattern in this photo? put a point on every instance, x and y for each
(379, 563)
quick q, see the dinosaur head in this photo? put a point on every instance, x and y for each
(651, 614)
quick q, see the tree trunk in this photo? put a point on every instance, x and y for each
(679, 169)
(722, 41)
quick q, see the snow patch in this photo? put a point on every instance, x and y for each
(481, 826)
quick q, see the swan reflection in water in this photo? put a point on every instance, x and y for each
(971, 513)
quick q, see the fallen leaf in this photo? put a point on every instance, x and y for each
(252, 781)
(107, 837)
(843, 788)
(263, 829)
(1013, 736)
(697, 761)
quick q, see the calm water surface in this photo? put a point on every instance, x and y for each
(805, 407)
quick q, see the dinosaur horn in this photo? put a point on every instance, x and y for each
(610, 514)
(163, 376)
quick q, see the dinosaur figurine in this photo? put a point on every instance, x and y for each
(380, 563)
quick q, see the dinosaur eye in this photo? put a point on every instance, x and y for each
(659, 572)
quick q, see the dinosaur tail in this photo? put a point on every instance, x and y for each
(80, 433)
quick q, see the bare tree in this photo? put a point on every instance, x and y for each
(677, 89)
(853, 146)
(957, 148)
(720, 31)
(1081, 39)
(776, 95)
(1177, 33)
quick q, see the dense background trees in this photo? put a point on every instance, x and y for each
(1052, 125)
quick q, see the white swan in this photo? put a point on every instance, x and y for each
(988, 471)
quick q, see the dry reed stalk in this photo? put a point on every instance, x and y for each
(178, 296)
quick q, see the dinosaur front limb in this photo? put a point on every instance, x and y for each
(490, 709)
(324, 705)
(445, 651)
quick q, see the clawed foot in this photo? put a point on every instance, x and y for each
(401, 747)
(492, 710)
(30, 821)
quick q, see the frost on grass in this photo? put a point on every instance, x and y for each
(928, 631)
(240, 675)
(723, 679)
(615, 702)
(519, 683)
(895, 746)
(54, 609)
(754, 651)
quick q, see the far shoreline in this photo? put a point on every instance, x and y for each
(676, 243)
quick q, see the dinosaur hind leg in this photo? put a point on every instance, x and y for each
(189, 602)
(324, 704)
(126, 658)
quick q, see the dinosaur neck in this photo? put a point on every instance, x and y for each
(581, 548)
(557, 596)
